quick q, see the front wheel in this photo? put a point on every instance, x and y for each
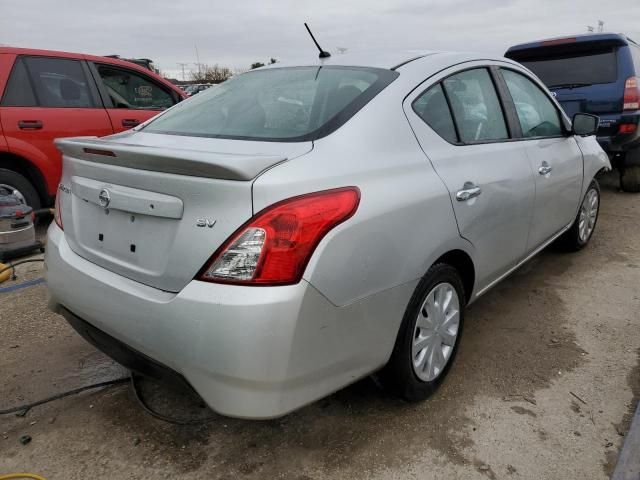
(577, 237)
(428, 338)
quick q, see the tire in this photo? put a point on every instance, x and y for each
(402, 375)
(630, 179)
(24, 187)
(574, 239)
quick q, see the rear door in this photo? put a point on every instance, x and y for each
(553, 154)
(48, 98)
(131, 97)
(460, 125)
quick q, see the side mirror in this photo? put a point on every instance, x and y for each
(585, 124)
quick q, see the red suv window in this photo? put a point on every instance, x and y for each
(48, 82)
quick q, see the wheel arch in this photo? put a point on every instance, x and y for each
(27, 169)
(462, 262)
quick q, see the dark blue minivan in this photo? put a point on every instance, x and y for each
(595, 73)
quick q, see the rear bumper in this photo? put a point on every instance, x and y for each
(249, 352)
(121, 352)
(617, 142)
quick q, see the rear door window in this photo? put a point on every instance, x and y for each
(476, 107)
(432, 107)
(537, 114)
(19, 91)
(574, 69)
(129, 89)
(49, 82)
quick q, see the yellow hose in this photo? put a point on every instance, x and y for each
(12, 476)
(4, 276)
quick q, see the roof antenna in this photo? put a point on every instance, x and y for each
(323, 53)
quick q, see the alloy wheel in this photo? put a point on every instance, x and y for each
(14, 191)
(588, 215)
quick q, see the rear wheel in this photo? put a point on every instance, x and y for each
(429, 335)
(20, 186)
(630, 179)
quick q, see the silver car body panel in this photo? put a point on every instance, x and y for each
(156, 213)
(260, 352)
(249, 352)
(159, 158)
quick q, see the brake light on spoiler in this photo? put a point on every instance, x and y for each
(558, 41)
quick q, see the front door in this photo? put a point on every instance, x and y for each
(131, 97)
(554, 156)
(460, 124)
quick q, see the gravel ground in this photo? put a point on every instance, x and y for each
(544, 386)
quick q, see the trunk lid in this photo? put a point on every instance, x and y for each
(154, 209)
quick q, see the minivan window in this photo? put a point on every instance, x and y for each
(276, 104)
(432, 107)
(130, 89)
(574, 69)
(475, 106)
(19, 92)
(537, 114)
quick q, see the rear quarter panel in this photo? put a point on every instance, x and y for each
(405, 219)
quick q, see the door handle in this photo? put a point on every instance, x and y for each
(130, 122)
(30, 124)
(545, 169)
(469, 191)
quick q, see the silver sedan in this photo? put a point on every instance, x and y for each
(301, 226)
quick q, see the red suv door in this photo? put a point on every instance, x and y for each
(130, 96)
(47, 98)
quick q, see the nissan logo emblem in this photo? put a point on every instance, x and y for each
(104, 197)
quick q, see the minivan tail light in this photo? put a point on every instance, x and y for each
(57, 214)
(632, 94)
(274, 247)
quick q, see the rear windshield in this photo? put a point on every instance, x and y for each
(278, 104)
(574, 70)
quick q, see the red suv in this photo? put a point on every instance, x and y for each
(46, 95)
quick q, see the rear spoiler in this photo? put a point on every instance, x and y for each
(564, 46)
(194, 163)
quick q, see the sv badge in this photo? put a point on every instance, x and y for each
(205, 222)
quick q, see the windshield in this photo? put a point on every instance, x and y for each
(574, 70)
(278, 104)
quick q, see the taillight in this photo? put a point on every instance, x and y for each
(631, 94)
(57, 215)
(274, 247)
(627, 128)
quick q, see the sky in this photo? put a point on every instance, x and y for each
(238, 33)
